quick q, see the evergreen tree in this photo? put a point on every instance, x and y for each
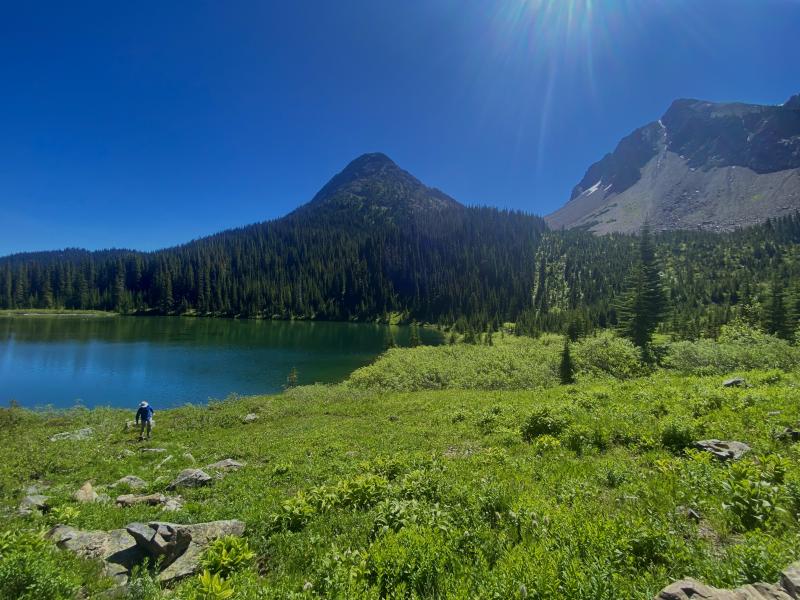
(776, 319)
(566, 368)
(390, 341)
(489, 332)
(453, 338)
(644, 304)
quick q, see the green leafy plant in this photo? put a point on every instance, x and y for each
(211, 586)
(227, 555)
(542, 422)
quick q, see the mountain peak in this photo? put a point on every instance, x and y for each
(793, 102)
(374, 183)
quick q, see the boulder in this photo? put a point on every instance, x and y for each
(33, 502)
(734, 382)
(178, 546)
(790, 580)
(80, 434)
(226, 465)
(190, 478)
(133, 482)
(723, 450)
(250, 418)
(86, 493)
(173, 504)
(116, 548)
(691, 589)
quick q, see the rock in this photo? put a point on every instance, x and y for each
(202, 534)
(734, 382)
(723, 450)
(86, 493)
(190, 478)
(173, 504)
(81, 434)
(125, 453)
(178, 546)
(250, 418)
(116, 548)
(130, 426)
(33, 502)
(790, 580)
(690, 589)
(188, 457)
(133, 482)
(790, 434)
(154, 450)
(133, 499)
(226, 465)
(163, 541)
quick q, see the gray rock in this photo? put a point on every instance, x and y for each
(226, 465)
(723, 450)
(163, 541)
(190, 478)
(133, 482)
(148, 499)
(116, 548)
(173, 504)
(734, 382)
(86, 493)
(790, 580)
(250, 418)
(122, 549)
(154, 450)
(690, 589)
(33, 502)
(80, 434)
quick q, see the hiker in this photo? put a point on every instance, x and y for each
(145, 414)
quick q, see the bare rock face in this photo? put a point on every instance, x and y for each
(86, 493)
(690, 589)
(190, 478)
(179, 547)
(81, 434)
(723, 450)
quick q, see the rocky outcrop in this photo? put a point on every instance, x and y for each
(80, 434)
(723, 450)
(787, 588)
(177, 547)
(190, 478)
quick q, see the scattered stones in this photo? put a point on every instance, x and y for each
(723, 450)
(86, 493)
(786, 589)
(190, 478)
(178, 546)
(250, 418)
(133, 482)
(734, 382)
(81, 434)
(226, 465)
(33, 502)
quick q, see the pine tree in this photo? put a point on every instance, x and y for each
(566, 368)
(644, 305)
(489, 334)
(776, 320)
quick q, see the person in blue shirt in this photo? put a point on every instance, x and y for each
(145, 416)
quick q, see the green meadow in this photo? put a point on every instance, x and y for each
(458, 471)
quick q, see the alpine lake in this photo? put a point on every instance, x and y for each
(61, 361)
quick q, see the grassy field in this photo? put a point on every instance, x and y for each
(367, 490)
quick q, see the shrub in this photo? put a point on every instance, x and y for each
(677, 436)
(752, 497)
(210, 586)
(546, 443)
(542, 422)
(607, 354)
(226, 555)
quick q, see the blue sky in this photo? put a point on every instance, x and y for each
(147, 124)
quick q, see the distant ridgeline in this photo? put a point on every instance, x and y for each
(375, 242)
